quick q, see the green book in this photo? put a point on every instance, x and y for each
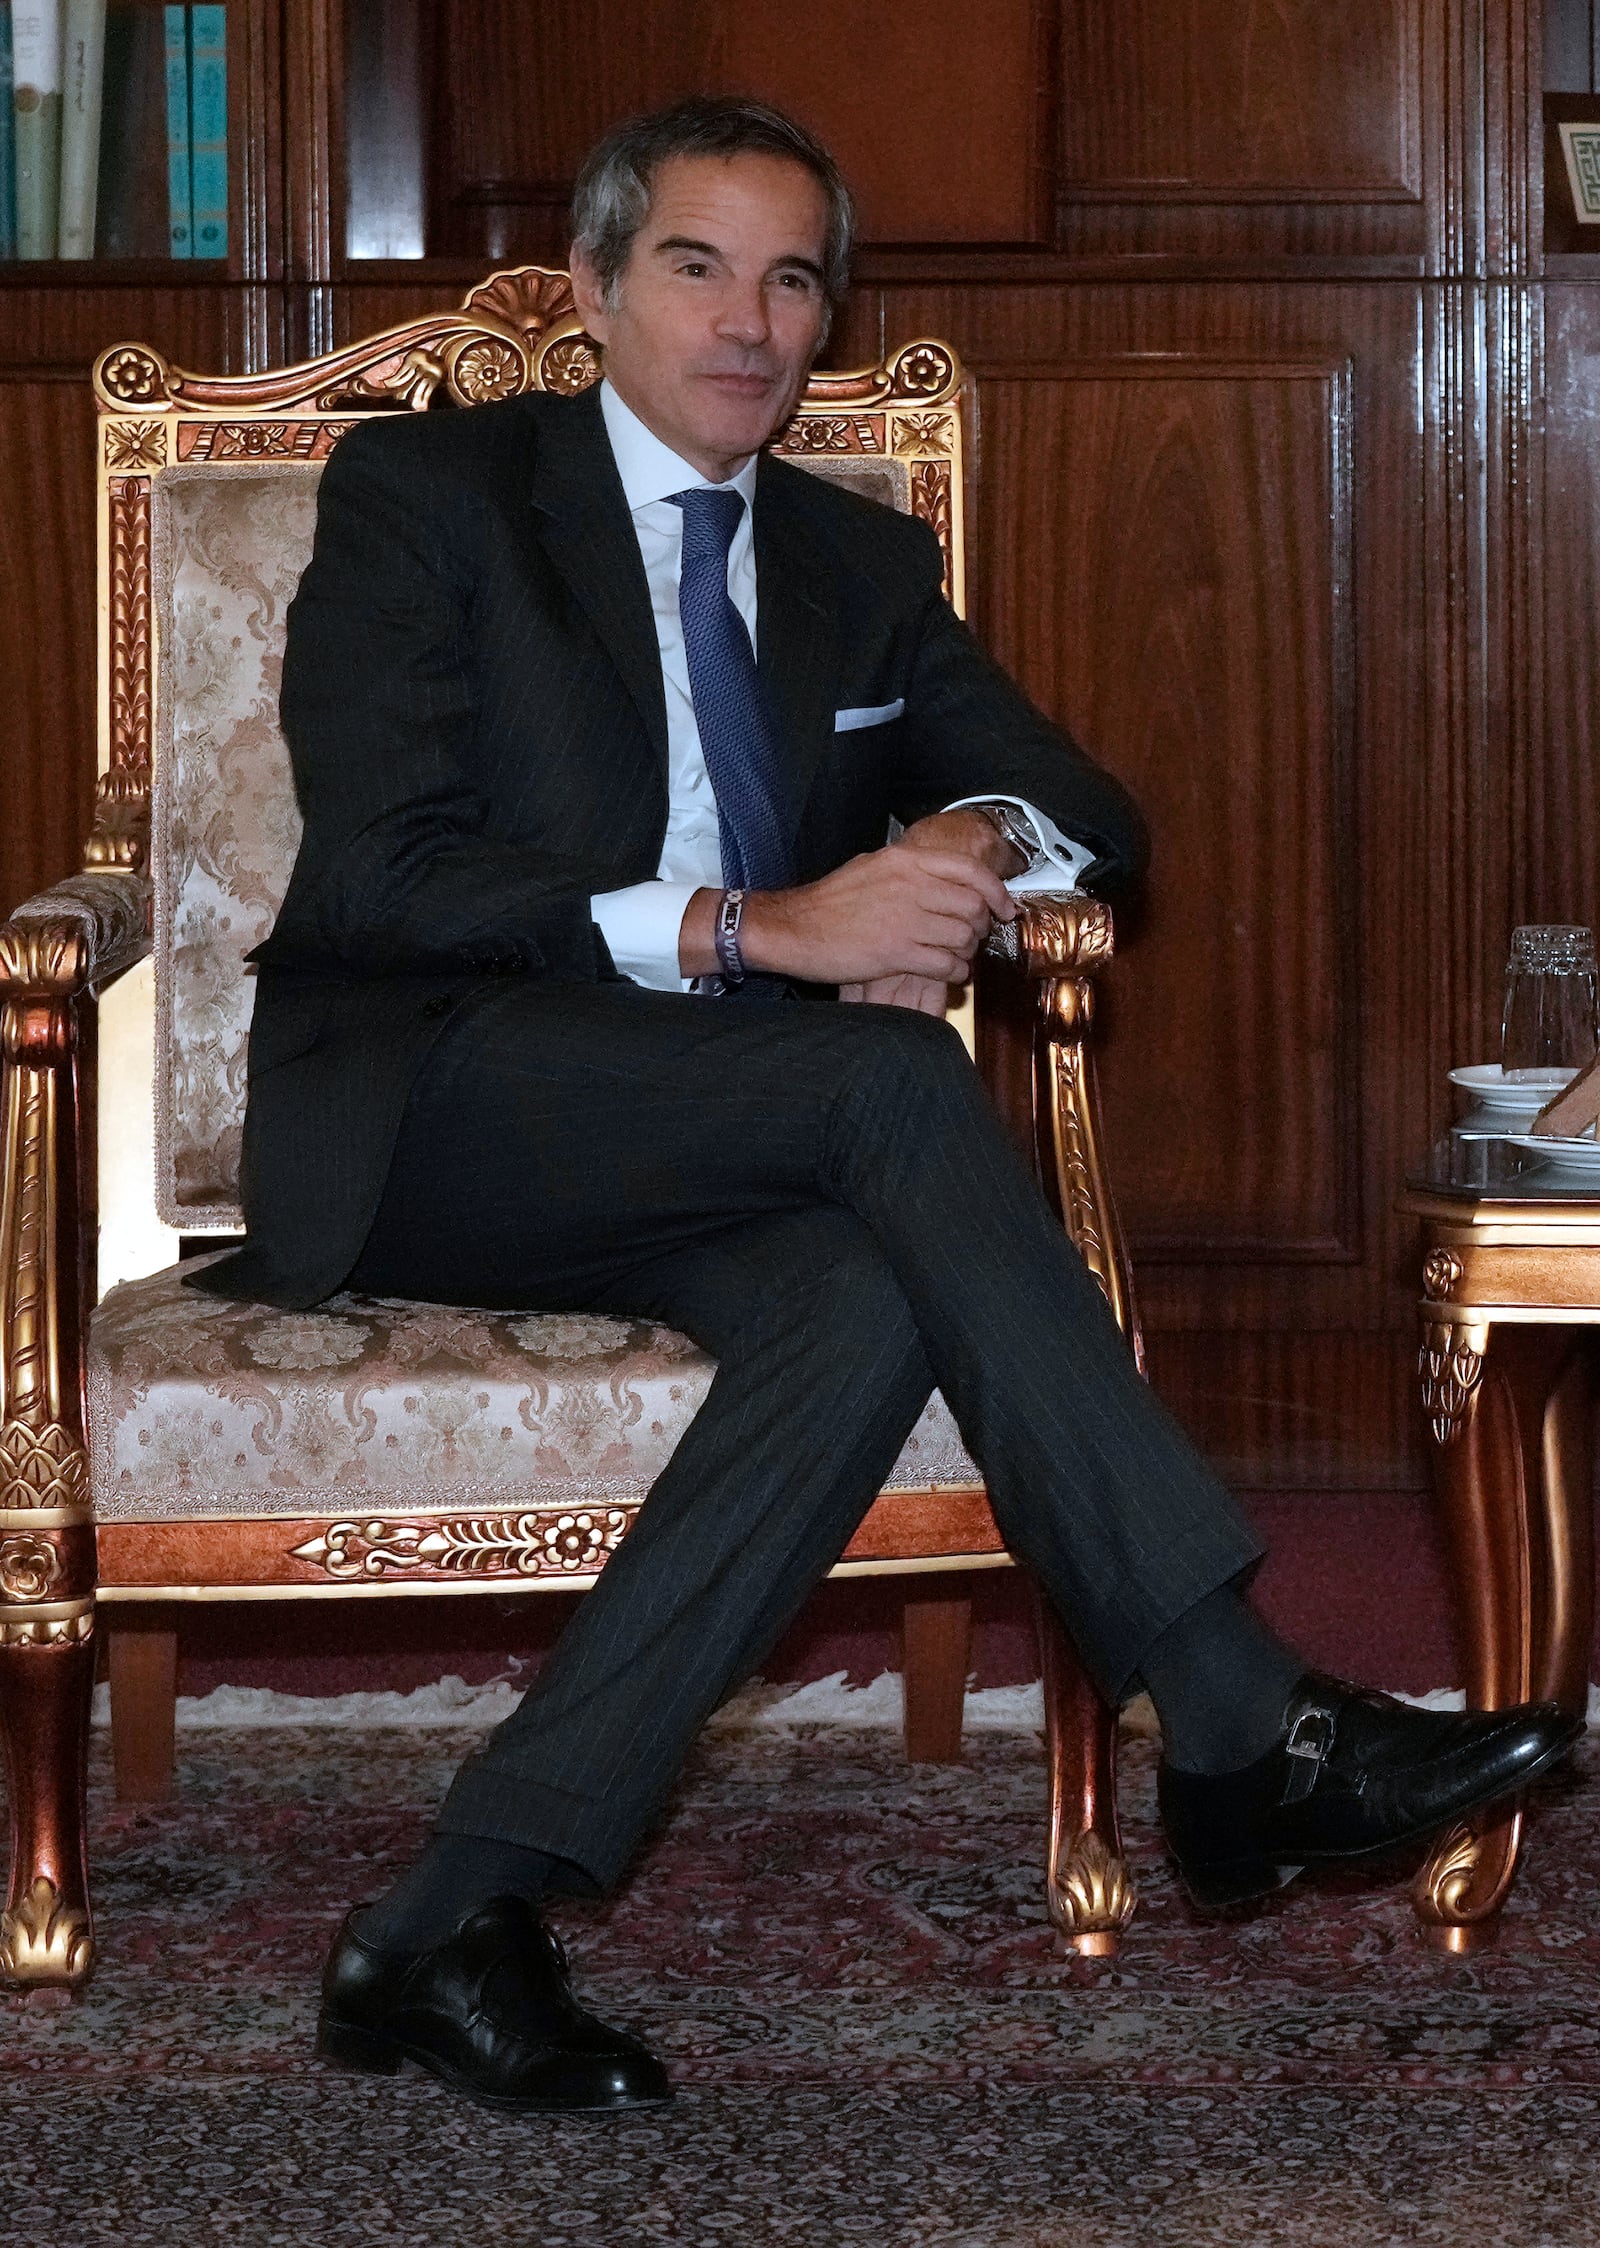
(83, 50)
(36, 111)
(208, 129)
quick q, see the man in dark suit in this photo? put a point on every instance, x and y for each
(599, 720)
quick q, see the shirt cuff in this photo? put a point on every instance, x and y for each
(640, 926)
(1057, 863)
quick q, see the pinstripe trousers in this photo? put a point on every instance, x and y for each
(822, 1197)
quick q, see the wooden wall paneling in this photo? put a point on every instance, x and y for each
(1254, 129)
(1166, 542)
(47, 743)
(1280, 101)
(1564, 874)
(942, 115)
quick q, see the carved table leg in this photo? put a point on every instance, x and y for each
(1090, 1893)
(1509, 1410)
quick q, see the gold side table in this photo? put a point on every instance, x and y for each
(1511, 1290)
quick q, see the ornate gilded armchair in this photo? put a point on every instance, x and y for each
(159, 1446)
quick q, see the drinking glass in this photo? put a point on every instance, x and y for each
(1551, 994)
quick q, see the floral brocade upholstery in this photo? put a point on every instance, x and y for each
(200, 1407)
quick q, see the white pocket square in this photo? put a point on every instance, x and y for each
(873, 714)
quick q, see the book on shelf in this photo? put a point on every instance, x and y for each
(208, 129)
(8, 175)
(113, 129)
(131, 219)
(180, 183)
(83, 50)
(36, 124)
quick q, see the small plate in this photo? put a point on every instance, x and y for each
(1499, 1095)
(1581, 1158)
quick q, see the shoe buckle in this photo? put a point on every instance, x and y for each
(1310, 1739)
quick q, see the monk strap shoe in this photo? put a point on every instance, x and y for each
(1352, 1774)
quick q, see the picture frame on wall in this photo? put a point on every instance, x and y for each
(1572, 173)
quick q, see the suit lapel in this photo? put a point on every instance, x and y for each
(589, 536)
(797, 631)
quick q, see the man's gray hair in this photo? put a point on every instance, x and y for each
(612, 198)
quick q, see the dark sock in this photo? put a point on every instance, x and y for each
(1219, 1679)
(455, 1874)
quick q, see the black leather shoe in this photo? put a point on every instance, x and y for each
(489, 2012)
(1352, 1774)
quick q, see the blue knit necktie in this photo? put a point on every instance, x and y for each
(736, 736)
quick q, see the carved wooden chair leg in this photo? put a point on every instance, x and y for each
(46, 1681)
(47, 1548)
(143, 1662)
(1509, 1413)
(937, 1650)
(1090, 1893)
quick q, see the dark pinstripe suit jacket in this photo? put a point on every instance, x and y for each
(473, 702)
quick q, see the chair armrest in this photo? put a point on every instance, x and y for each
(1056, 933)
(76, 936)
(1035, 1013)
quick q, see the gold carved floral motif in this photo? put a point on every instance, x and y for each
(536, 1544)
(923, 433)
(571, 364)
(131, 375)
(1450, 1363)
(1441, 1273)
(923, 368)
(140, 444)
(30, 1565)
(45, 1940)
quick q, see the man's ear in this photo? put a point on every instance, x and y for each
(588, 293)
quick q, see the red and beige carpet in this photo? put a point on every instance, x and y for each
(845, 1961)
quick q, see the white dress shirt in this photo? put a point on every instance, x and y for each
(641, 923)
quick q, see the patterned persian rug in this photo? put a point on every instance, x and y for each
(846, 1962)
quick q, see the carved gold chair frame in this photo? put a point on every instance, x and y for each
(77, 1210)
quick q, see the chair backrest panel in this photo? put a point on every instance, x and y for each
(209, 508)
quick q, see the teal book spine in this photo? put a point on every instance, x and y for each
(208, 128)
(36, 124)
(8, 162)
(180, 188)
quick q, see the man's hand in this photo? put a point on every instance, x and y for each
(918, 913)
(968, 832)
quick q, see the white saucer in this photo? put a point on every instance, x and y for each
(1579, 1158)
(1510, 1097)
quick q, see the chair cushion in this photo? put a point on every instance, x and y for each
(200, 1407)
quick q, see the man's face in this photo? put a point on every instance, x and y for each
(720, 308)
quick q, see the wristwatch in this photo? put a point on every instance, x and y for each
(1013, 829)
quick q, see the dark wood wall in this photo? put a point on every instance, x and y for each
(1285, 502)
